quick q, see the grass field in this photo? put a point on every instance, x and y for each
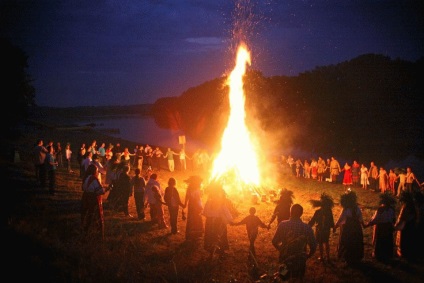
(43, 240)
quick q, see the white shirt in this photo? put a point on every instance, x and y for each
(149, 196)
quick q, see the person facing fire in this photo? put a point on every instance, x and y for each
(252, 222)
(282, 209)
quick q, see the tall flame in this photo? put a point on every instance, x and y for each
(237, 161)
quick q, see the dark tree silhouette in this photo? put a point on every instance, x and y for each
(15, 83)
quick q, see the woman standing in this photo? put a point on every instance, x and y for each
(173, 201)
(364, 177)
(193, 202)
(347, 176)
(157, 206)
(314, 169)
(351, 239)
(282, 209)
(383, 221)
(218, 216)
(68, 154)
(392, 180)
(91, 202)
(383, 180)
(51, 167)
(406, 237)
(324, 220)
(356, 173)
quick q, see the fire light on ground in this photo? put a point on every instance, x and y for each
(236, 165)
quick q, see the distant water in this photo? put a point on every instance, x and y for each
(142, 130)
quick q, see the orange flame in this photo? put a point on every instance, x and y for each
(237, 165)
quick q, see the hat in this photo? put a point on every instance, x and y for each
(194, 180)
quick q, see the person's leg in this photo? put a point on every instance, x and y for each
(125, 206)
(321, 250)
(327, 251)
(252, 239)
(173, 215)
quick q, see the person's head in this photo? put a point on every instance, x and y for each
(286, 196)
(348, 199)
(154, 176)
(252, 210)
(92, 170)
(137, 171)
(172, 182)
(296, 211)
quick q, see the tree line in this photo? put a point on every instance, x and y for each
(369, 106)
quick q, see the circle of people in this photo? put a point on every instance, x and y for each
(295, 240)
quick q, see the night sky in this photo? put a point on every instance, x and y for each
(130, 52)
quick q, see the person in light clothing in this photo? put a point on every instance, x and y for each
(170, 155)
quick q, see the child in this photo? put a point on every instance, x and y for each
(252, 223)
(323, 218)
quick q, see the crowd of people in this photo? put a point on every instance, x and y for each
(295, 240)
(378, 179)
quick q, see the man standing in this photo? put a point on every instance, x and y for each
(410, 178)
(291, 239)
(102, 153)
(373, 177)
(334, 169)
(40, 153)
(170, 155)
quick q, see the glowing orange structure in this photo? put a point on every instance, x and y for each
(236, 165)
